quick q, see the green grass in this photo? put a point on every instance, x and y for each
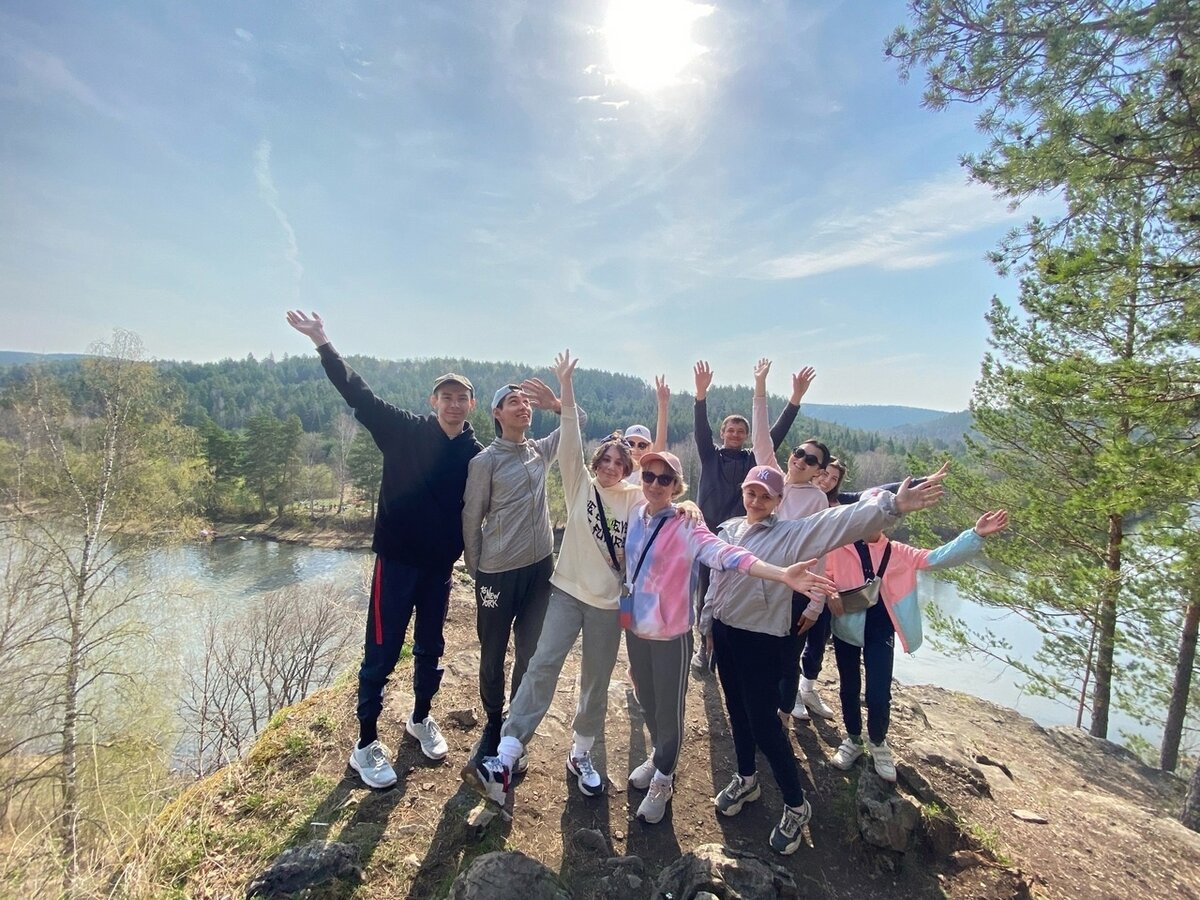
(989, 839)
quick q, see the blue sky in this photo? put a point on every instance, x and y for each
(496, 180)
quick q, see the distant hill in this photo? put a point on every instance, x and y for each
(20, 357)
(231, 391)
(873, 418)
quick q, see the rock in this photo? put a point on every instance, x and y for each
(953, 762)
(885, 818)
(308, 865)
(482, 815)
(463, 718)
(507, 875)
(725, 872)
(968, 859)
(942, 833)
(591, 839)
(916, 782)
(1026, 815)
(632, 863)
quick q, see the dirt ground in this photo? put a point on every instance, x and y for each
(1109, 828)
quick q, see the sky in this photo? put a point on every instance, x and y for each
(646, 183)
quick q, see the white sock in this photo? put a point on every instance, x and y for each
(808, 684)
(581, 745)
(749, 779)
(510, 751)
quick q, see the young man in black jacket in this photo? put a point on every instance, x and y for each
(418, 537)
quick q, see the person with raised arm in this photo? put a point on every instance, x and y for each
(638, 436)
(657, 614)
(865, 639)
(417, 539)
(508, 543)
(752, 626)
(722, 470)
(585, 588)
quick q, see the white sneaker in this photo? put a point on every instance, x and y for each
(800, 711)
(881, 755)
(847, 753)
(813, 701)
(522, 763)
(654, 806)
(641, 777)
(590, 782)
(430, 737)
(700, 658)
(372, 765)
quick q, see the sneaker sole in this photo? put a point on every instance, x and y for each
(801, 716)
(747, 798)
(471, 779)
(362, 776)
(649, 821)
(587, 792)
(791, 847)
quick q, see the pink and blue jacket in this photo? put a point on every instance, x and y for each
(898, 593)
(658, 605)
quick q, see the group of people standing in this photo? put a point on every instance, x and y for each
(745, 565)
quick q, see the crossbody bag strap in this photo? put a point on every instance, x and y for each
(608, 539)
(642, 558)
(864, 556)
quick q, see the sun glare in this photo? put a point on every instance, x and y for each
(650, 41)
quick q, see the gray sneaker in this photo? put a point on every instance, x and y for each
(737, 794)
(641, 777)
(590, 781)
(372, 765)
(787, 835)
(654, 806)
(427, 733)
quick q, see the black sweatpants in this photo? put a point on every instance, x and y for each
(508, 603)
(876, 656)
(398, 591)
(749, 666)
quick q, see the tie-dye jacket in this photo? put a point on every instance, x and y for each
(659, 606)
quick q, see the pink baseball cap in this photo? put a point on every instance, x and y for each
(763, 476)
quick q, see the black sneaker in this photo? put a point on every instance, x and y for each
(788, 834)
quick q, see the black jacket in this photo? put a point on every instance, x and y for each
(419, 518)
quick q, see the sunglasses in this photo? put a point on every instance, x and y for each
(808, 458)
(666, 479)
(638, 445)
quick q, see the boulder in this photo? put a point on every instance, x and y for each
(885, 818)
(507, 875)
(931, 755)
(724, 872)
(306, 866)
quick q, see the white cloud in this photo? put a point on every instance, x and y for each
(243, 35)
(50, 73)
(910, 233)
(270, 196)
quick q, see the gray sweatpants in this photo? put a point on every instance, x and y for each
(660, 677)
(565, 618)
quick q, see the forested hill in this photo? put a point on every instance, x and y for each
(230, 392)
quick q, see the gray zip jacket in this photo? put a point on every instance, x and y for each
(752, 604)
(506, 519)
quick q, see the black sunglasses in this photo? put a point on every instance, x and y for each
(640, 445)
(808, 458)
(665, 479)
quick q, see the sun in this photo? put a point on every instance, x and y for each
(650, 41)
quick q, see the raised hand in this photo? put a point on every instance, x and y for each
(704, 377)
(992, 522)
(940, 475)
(762, 369)
(801, 381)
(564, 366)
(314, 328)
(661, 390)
(540, 395)
(926, 494)
(798, 577)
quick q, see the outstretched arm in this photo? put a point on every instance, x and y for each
(801, 381)
(796, 576)
(663, 394)
(992, 522)
(760, 434)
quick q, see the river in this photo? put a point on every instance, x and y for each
(239, 570)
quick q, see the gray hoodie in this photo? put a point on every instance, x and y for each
(766, 606)
(506, 519)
